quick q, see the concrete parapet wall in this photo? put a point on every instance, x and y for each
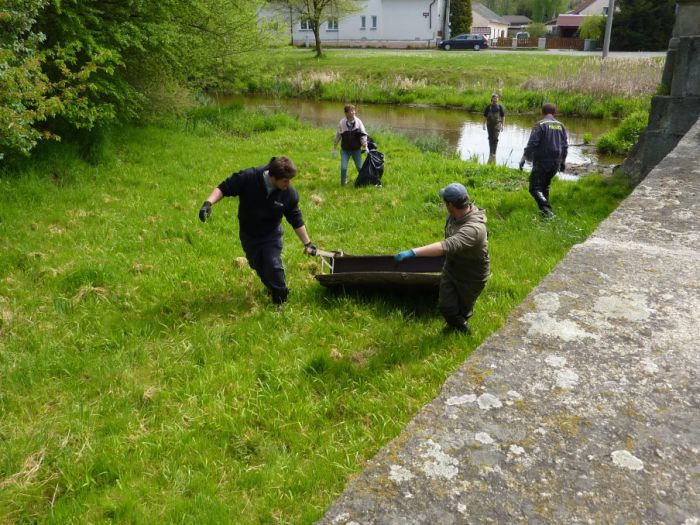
(672, 116)
(686, 78)
(585, 406)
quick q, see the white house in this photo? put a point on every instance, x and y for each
(591, 7)
(379, 23)
(568, 24)
(487, 22)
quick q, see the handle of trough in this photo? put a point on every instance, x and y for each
(324, 253)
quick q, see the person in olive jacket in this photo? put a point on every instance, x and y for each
(265, 196)
(465, 247)
(494, 121)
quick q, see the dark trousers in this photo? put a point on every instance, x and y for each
(264, 255)
(494, 131)
(456, 299)
(540, 179)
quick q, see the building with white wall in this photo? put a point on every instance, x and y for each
(591, 7)
(488, 23)
(389, 23)
(379, 23)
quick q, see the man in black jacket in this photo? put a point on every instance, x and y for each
(265, 196)
(546, 149)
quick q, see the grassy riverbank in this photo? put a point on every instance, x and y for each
(145, 376)
(581, 86)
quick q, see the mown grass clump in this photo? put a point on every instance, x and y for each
(147, 378)
(581, 86)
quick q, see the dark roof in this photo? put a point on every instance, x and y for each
(488, 14)
(570, 20)
(517, 20)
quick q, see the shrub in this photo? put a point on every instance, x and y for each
(592, 27)
(622, 138)
(536, 29)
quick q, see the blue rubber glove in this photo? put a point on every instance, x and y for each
(402, 256)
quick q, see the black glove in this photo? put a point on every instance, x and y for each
(521, 165)
(310, 248)
(205, 211)
(562, 167)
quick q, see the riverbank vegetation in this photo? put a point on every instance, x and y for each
(146, 377)
(620, 140)
(579, 86)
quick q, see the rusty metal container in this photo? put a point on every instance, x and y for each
(380, 271)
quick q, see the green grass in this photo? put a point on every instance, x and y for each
(145, 376)
(581, 86)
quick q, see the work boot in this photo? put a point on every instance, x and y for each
(548, 214)
(457, 324)
(279, 296)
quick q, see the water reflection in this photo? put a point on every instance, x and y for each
(462, 130)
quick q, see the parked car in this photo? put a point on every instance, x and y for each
(522, 35)
(465, 41)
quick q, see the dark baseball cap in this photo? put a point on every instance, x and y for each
(454, 192)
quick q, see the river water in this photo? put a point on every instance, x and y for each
(462, 130)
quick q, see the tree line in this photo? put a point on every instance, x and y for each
(638, 25)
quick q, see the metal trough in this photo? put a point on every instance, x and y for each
(379, 271)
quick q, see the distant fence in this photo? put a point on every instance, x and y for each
(549, 43)
(565, 43)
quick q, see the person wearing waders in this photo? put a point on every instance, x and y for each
(265, 195)
(353, 140)
(494, 120)
(546, 149)
(465, 248)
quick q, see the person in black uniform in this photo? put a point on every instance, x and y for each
(494, 120)
(265, 196)
(546, 149)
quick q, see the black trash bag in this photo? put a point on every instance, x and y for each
(372, 168)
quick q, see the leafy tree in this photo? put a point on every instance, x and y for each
(544, 10)
(592, 27)
(67, 65)
(643, 25)
(24, 89)
(460, 16)
(316, 11)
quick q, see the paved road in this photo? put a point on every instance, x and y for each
(569, 52)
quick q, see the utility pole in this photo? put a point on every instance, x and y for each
(608, 27)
